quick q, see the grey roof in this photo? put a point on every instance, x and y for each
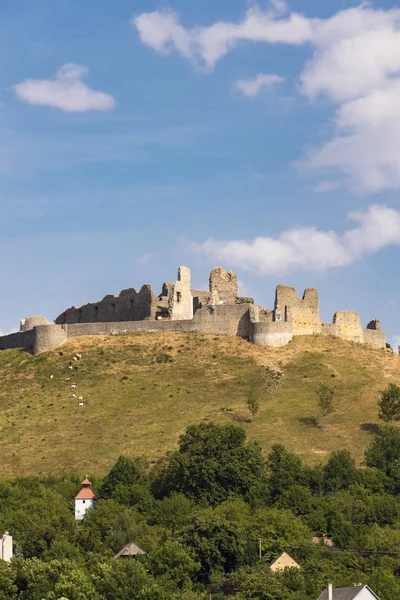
(130, 550)
(347, 593)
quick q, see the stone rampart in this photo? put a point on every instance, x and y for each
(130, 305)
(224, 286)
(375, 337)
(224, 320)
(302, 313)
(181, 309)
(347, 325)
(48, 337)
(21, 339)
(180, 300)
(271, 334)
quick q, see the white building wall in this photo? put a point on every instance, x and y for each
(81, 507)
(365, 594)
(6, 547)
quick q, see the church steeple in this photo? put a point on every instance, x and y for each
(84, 500)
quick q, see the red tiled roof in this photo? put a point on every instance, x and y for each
(86, 482)
(85, 494)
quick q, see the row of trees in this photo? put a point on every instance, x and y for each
(199, 514)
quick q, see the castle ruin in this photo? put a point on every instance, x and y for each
(178, 307)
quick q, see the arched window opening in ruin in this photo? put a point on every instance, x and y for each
(178, 296)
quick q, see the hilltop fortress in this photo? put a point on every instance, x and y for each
(179, 308)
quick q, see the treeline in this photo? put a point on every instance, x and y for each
(200, 515)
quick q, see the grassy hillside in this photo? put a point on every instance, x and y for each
(143, 391)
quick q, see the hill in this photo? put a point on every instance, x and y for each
(143, 390)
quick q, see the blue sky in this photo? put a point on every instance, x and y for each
(138, 136)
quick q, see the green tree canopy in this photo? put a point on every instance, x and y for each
(213, 462)
(389, 403)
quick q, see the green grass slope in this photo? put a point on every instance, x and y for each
(143, 390)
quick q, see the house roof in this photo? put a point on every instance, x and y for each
(130, 549)
(284, 561)
(347, 593)
(86, 482)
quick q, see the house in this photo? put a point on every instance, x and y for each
(354, 592)
(6, 547)
(129, 550)
(84, 500)
(284, 561)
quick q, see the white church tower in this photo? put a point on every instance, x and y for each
(6, 547)
(84, 500)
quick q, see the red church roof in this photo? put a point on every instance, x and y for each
(85, 493)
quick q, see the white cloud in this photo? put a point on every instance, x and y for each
(252, 87)
(307, 248)
(163, 32)
(355, 64)
(66, 92)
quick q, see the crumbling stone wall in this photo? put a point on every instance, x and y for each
(180, 297)
(179, 308)
(223, 286)
(303, 314)
(130, 305)
(347, 325)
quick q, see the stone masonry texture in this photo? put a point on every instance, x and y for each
(179, 308)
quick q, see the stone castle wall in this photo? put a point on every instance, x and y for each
(303, 314)
(130, 305)
(181, 309)
(271, 334)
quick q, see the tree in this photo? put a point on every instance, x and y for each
(252, 401)
(325, 401)
(123, 479)
(340, 471)
(384, 451)
(285, 470)
(389, 403)
(213, 462)
(172, 561)
(8, 589)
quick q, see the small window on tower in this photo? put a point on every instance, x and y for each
(83, 501)
(178, 296)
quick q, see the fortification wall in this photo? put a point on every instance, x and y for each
(347, 325)
(21, 339)
(180, 301)
(48, 337)
(224, 320)
(130, 305)
(271, 334)
(302, 313)
(349, 328)
(223, 286)
(179, 308)
(375, 337)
